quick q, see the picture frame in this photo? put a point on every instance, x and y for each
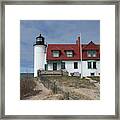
(70, 2)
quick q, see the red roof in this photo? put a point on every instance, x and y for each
(76, 50)
(90, 46)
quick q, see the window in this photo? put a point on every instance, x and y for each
(56, 53)
(92, 74)
(69, 53)
(54, 66)
(63, 65)
(91, 53)
(46, 67)
(89, 65)
(75, 65)
(94, 65)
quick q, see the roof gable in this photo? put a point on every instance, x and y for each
(91, 46)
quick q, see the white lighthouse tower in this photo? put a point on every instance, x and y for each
(39, 54)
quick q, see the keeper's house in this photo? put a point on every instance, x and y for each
(80, 59)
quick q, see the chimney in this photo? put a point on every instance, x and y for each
(78, 40)
(78, 44)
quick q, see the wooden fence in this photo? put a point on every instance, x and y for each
(52, 73)
(55, 87)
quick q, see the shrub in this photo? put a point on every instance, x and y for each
(26, 88)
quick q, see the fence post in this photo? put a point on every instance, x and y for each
(67, 95)
(54, 87)
(48, 84)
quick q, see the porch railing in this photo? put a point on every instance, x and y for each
(52, 73)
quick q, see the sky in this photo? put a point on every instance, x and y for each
(54, 31)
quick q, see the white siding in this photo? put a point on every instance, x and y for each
(50, 65)
(69, 65)
(87, 72)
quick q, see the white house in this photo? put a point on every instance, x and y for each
(83, 59)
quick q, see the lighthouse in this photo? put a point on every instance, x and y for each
(39, 54)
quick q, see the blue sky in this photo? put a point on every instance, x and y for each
(54, 31)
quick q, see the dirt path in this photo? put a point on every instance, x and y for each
(88, 93)
(43, 92)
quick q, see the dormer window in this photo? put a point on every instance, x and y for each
(69, 53)
(91, 53)
(56, 53)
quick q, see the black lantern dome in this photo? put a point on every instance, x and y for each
(40, 40)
